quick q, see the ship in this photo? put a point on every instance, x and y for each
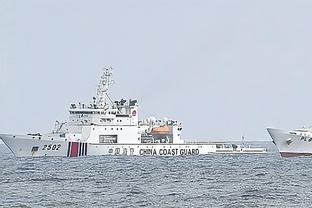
(107, 127)
(294, 143)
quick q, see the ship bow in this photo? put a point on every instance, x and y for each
(291, 145)
(9, 141)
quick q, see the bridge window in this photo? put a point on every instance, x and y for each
(108, 139)
(219, 146)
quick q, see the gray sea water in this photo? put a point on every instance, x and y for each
(196, 181)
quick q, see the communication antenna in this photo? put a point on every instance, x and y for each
(103, 87)
(243, 139)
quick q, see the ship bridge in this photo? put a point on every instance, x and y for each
(104, 120)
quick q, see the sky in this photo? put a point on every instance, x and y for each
(223, 68)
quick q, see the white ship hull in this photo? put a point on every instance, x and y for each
(27, 146)
(107, 127)
(291, 145)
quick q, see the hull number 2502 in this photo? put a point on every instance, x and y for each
(51, 147)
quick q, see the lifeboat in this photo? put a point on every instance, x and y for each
(161, 130)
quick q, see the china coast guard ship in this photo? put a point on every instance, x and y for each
(293, 143)
(112, 128)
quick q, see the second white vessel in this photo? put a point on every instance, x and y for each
(293, 143)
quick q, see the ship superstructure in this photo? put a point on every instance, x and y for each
(107, 127)
(110, 122)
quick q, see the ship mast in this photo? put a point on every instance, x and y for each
(102, 98)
